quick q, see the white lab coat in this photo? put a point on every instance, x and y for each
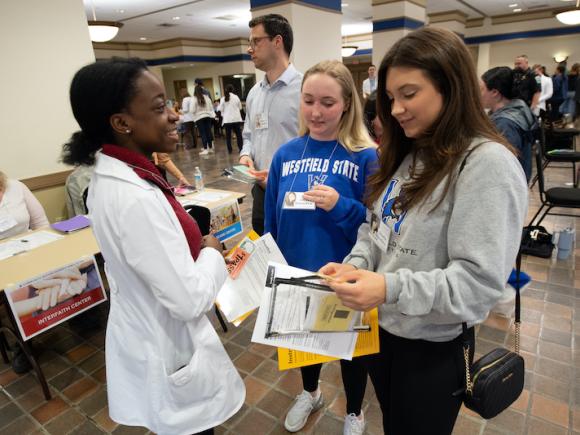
(166, 367)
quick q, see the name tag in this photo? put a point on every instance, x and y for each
(261, 121)
(379, 233)
(296, 201)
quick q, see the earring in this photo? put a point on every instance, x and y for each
(127, 131)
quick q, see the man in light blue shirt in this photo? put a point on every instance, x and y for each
(272, 105)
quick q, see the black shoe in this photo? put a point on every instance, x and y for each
(20, 363)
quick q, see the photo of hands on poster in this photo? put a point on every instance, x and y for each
(47, 300)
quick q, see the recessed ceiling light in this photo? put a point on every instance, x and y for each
(142, 38)
(514, 5)
(344, 5)
(517, 10)
(176, 18)
(121, 11)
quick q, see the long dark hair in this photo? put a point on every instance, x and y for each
(229, 90)
(445, 60)
(97, 92)
(198, 93)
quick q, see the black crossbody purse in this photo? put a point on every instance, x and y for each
(496, 380)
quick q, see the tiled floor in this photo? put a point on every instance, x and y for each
(73, 359)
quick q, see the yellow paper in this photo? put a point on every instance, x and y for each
(367, 343)
(332, 315)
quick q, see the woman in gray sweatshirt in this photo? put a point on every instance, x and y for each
(450, 200)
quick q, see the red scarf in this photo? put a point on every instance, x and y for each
(148, 171)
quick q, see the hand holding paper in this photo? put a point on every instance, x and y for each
(360, 289)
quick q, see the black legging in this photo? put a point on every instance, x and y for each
(189, 135)
(236, 127)
(354, 380)
(415, 382)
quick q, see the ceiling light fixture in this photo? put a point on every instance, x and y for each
(348, 50)
(517, 10)
(102, 31)
(176, 18)
(142, 38)
(514, 5)
(570, 18)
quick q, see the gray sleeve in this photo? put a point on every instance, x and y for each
(483, 238)
(363, 254)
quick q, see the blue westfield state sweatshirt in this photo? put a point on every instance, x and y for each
(309, 239)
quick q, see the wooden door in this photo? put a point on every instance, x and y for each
(178, 85)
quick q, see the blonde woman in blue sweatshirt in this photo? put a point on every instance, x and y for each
(314, 206)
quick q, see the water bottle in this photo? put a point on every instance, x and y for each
(565, 242)
(198, 178)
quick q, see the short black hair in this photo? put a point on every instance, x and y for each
(275, 24)
(500, 78)
(97, 92)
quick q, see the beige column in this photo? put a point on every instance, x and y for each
(450, 20)
(317, 29)
(483, 58)
(393, 19)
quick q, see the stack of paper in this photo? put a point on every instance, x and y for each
(240, 173)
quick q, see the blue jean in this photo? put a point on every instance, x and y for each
(204, 126)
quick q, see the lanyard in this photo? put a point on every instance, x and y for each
(302, 157)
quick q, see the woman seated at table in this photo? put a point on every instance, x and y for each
(166, 367)
(20, 211)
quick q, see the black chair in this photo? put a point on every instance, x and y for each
(557, 146)
(560, 197)
(202, 216)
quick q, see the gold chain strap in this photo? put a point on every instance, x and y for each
(468, 384)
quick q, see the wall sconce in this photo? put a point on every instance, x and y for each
(559, 58)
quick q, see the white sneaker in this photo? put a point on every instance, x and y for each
(211, 150)
(354, 426)
(303, 406)
(204, 152)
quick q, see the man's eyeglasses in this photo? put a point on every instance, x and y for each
(255, 41)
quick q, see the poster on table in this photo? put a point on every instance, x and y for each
(226, 221)
(46, 300)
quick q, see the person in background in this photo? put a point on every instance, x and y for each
(371, 118)
(370, 84)
(217, 122)
(164, 161)
(525, 85)
(166, 367)
(451, 199)
(199, 82)
(332, 133)
(570, 104)
(230, 106)
(560, 85)
(187, 120)
(272, 104)
(203, 115)
(76, 188)
(512, 117)
(547, 89)
(20, 211)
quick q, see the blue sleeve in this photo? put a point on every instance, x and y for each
(510, 131)
(348, 214)
(270, 224)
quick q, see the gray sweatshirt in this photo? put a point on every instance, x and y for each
(450, 265)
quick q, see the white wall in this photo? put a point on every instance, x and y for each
(43, 44)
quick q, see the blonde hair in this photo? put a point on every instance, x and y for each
(352, 133)
(3, 181)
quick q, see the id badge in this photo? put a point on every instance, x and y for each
(7, 222)
(379, 233)
(261, 121)
(296, 201)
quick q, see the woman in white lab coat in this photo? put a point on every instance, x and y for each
(166, 367)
